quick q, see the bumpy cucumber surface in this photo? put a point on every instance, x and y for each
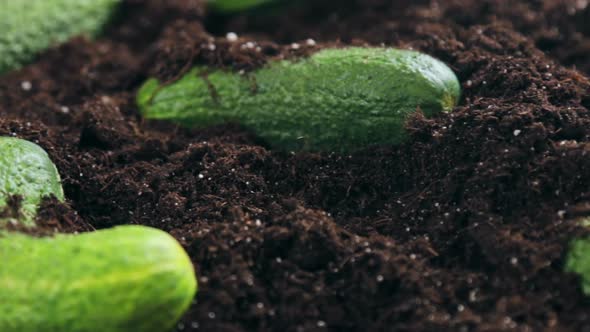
(30, 26)
(335, 100)
(26, 171)
(125, 279)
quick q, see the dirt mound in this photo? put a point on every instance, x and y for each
(463, 228)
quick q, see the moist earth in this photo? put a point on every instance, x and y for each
(463, 228)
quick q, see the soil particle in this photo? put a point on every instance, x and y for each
(463, 228)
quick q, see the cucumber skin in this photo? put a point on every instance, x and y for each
(30, 26)
(26, 170)
(336, 100)
(125, 279)
(229, 6)
(578, 261)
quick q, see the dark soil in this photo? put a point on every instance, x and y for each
(463, 228)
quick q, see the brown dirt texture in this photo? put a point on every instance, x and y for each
(463, 228)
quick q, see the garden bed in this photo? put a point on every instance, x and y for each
(464, 227)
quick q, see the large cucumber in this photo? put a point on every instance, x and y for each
(125, 279)
(26, 171)
(335, 100)
(30, 26)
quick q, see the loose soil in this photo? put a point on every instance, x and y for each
(464, 228)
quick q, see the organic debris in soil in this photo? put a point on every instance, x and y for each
(463, 228)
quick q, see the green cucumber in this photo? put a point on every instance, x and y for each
(125, 279)
(335, 100)
(30, 26)
(26, 171)
(578, 261)
(228, 6)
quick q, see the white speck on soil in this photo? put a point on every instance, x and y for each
(26, 85)
(231, 36)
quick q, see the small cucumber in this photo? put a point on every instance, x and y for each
(578, 261)
(229, 6)
(335, 100)
(26, 171)
(125, 279)
(27, 27)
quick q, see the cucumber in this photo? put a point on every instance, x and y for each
(336, 100)
(228, 6)
(26, 171)
(125, 279)
(30, 26)
(578, 261)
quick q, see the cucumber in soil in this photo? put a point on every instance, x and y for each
(26, 171)
(125, 279)
(230, 6)
(27, 27)
(336, 100)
